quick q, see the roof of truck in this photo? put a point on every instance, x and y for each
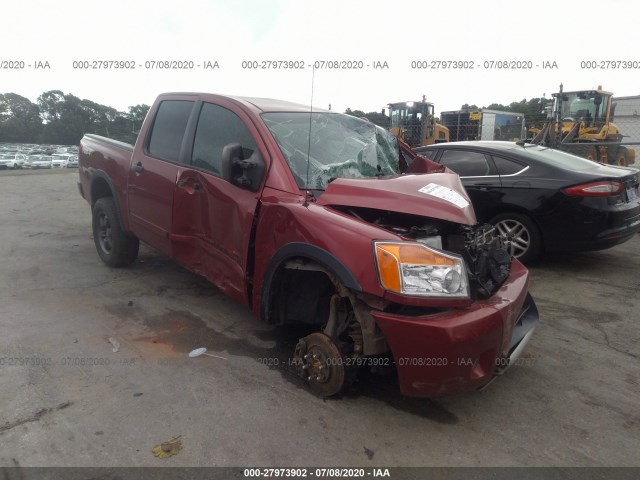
(274, 105)
(256, 103)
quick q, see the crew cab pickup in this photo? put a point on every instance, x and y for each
(312, 217)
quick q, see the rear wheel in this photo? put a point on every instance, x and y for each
(520, 235)
(115, 247)
(621, 157)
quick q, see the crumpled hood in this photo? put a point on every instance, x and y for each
(435, 195)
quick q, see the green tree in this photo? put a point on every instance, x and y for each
(64, 118)
(50, 105)
(378, 118)
(355, 113)
(136, 114)
(19, 119)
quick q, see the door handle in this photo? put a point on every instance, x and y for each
(138, 168)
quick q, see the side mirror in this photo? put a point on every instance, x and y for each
(244, 173)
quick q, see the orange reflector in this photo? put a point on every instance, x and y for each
(389, 269)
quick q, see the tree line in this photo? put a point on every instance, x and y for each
(62, 119)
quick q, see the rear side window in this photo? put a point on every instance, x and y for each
(507, 167)
(218, 127)
(466, 163)
(168, 129)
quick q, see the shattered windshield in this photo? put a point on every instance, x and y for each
(332, 145)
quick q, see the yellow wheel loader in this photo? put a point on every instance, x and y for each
(415, 123)
(581, 123)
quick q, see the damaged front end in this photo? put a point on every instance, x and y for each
(485, 256)
(423, 285)
(447, 330)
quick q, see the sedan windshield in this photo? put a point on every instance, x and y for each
(320, 147)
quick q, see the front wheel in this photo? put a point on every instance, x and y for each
(115, 247)
(520, 235)
(319, 361)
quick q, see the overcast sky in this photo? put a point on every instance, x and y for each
(232, 31)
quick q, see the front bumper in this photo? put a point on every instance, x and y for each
(461, 350)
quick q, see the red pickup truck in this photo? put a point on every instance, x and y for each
(322, 219)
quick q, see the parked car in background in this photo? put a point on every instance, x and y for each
(59, 160)
(40, 161)
(73, 161)
(20, 160)
(5, 162)
(13, 161)
(544, 200)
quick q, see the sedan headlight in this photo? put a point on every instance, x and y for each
(415, 269)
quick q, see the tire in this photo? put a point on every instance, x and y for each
(115, 247)
(521, 236)
(621, 156)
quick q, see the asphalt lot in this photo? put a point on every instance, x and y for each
(68, 400)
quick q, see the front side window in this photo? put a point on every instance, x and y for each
(217, 128)
(466, 163)
(168, 129)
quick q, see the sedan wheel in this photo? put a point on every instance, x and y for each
(520, 235)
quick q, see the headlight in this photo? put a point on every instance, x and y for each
(415, 269)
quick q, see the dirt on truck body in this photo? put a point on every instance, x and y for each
(312, 218)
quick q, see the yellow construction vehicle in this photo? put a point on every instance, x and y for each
(415, 123)
(581, 123)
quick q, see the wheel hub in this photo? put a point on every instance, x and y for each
(318, 361)
(105, 235)
(516, 236)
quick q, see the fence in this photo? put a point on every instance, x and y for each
(483, 124)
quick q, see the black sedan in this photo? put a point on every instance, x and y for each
(544, 200)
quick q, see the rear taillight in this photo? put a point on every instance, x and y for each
(595, 189)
